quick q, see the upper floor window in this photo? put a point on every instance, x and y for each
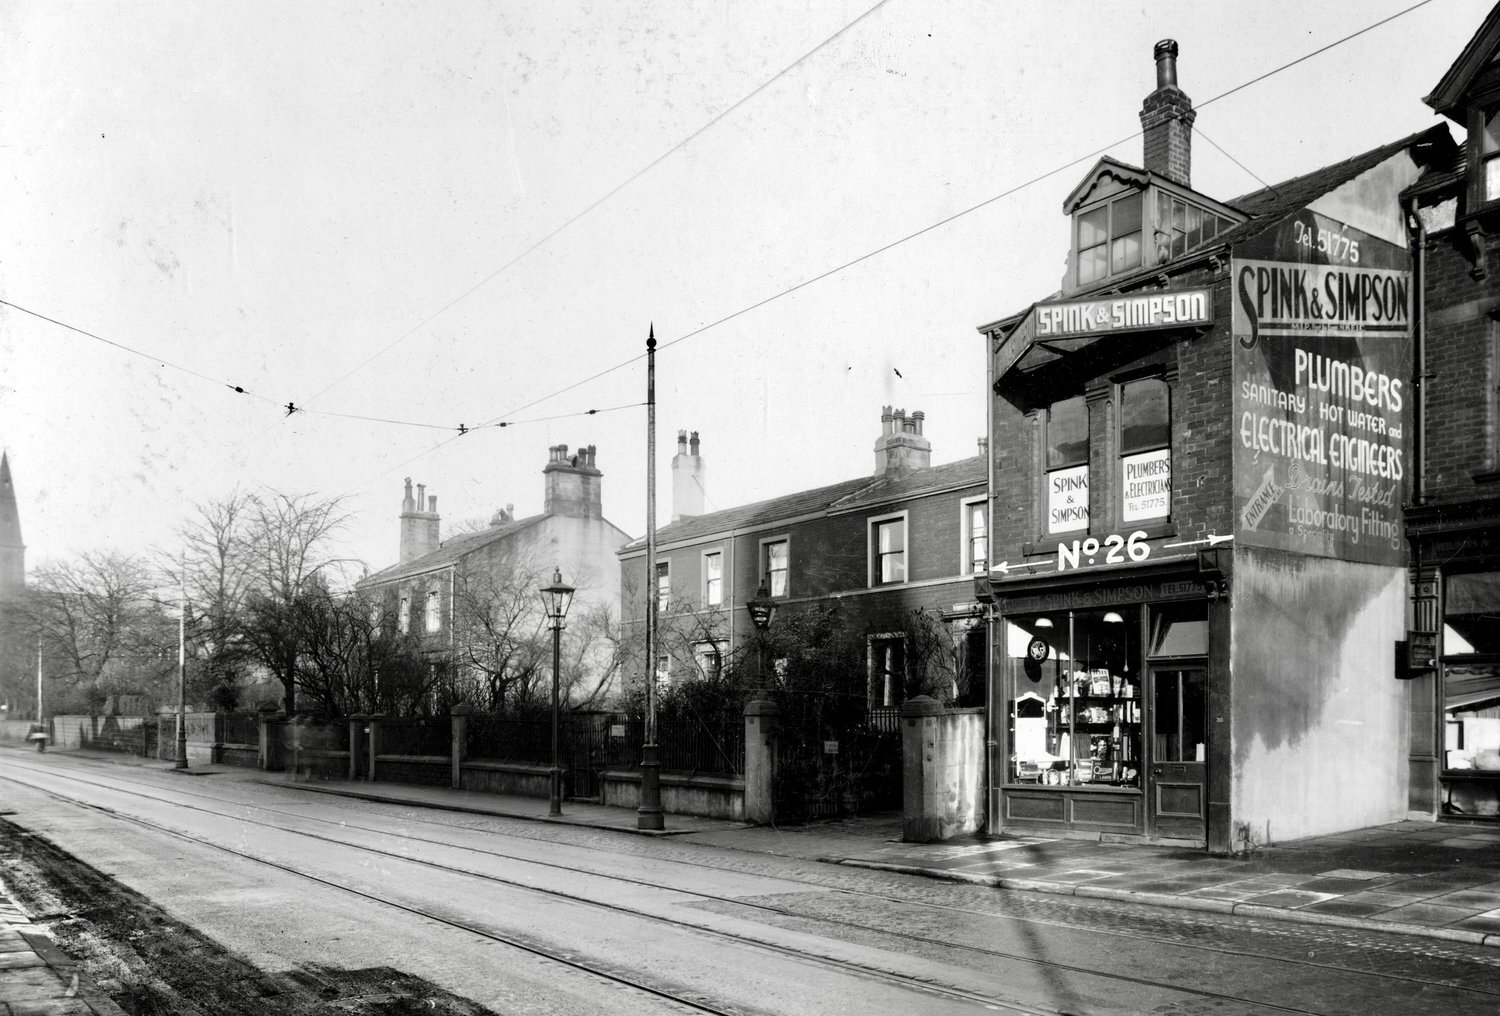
(1182, 225)
(403, 617)
(1109, 239)
(888, 551)
(1067, 439)
(1489, 154)
(773, 566)
(713, 579)
(663, 586)
(976, 537)
(433, 616)
(1145, 450)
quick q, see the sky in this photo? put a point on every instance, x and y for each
(403, 218)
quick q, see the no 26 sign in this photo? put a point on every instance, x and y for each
(1114, 548)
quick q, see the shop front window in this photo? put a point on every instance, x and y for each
(1073, 697)
(1471, 672)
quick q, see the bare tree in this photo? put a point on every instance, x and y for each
(290, 539)
(499, 636)
(100, 625)
(353, 659)
(215, 565)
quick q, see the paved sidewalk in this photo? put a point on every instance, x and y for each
(36, 977)
(1432, 879)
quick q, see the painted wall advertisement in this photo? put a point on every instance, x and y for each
(1322, 365)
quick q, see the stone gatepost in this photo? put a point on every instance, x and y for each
(921, 770)
(374, 743)
(269, 728)
(760, 759)
(356, 742)
(459, 715)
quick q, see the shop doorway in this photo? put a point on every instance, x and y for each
(1176, 772)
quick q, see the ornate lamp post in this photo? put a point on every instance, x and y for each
(556, 598)
(762, 609)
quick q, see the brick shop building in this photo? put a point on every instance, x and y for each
(1199, 468)
(1454, 520)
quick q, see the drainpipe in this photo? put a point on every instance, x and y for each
(1418, 233)
(991, 744)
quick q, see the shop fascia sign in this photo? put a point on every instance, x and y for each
(1065, 319)
(1055, 320)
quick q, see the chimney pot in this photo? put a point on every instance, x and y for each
(1166, 63)
(682, 442)
(693, 444)
(432, 504)
(1167, 118)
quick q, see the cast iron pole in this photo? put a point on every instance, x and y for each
(555, 808)
(649, 815)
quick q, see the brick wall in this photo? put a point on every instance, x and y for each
(1202, 443)
(1460, 439)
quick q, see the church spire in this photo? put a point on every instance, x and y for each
(12, 550)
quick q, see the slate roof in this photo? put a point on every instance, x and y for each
(918, 483)
(849, 495)
(450, 551)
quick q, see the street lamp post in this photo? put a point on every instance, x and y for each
(762, 609)
(182, 759)
(556, 598)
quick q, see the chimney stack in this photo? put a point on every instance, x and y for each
(901, 447)
(419, 529)
(1167, 118)
(688, 478)
(572, 483)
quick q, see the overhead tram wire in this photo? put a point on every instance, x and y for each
(494, 421)
(969, 210)
(611, 193)
(292, 407)
(597, 202)
(237, 389)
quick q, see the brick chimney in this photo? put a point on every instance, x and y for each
(901, 447)
(1167, 118)
(688, 478)
(419, 523)
(572, 484)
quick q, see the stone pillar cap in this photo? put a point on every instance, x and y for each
(921, 705)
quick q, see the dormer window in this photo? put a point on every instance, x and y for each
(1109, 239)
(1128, 220)
(1489, 154)
(1182, 225)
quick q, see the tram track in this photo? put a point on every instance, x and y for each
(1058, 966)
(1374, 942)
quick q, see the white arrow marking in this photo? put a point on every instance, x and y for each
(1211, 539)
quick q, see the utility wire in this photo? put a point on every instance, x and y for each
(971, 209)
(500, 421)
(132, 350)
(597, 202)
